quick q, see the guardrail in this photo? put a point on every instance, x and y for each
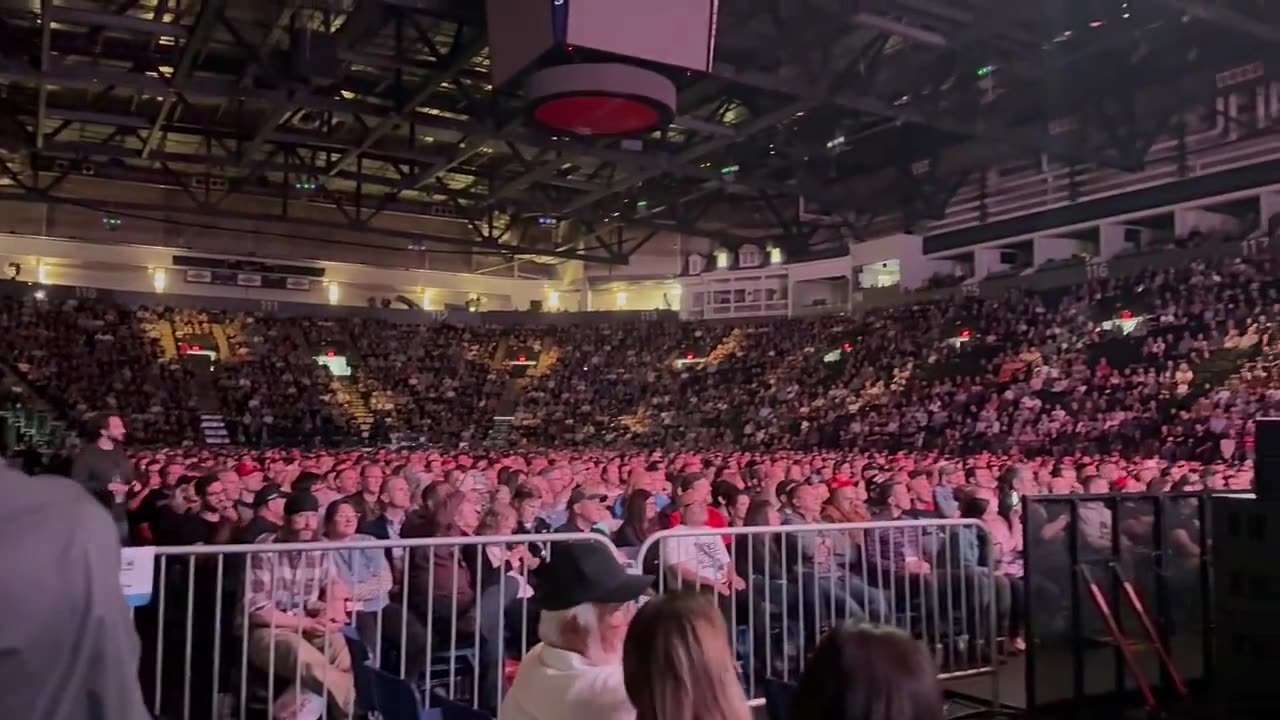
(924, 577)
(231, 630)
(241, 625)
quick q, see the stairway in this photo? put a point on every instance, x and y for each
(352, 403)
(168, 344)
(729, 346)
(500, 433)
(502, 429)
(213, 428)
(547, 358)
(500, 354)
(220, 338)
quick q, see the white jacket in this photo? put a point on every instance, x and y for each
(555, 684)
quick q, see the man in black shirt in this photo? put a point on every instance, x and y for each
(102, 467)
(214, 520)
(268, 514)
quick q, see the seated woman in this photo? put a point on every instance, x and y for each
(677, 663)
(379, 621)
(445, 594)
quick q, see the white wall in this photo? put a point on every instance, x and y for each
(1111, 238)
(891, 247)
(658, 258)
(1188, 220)
(986, 260)
(1048, 248)
(1270, 206)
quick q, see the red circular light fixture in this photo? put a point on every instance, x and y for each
(195, 348)
(847, 347)
(331, 353)
(597, 115)
(600, 99)
(521, 358)
(688, 356)
(966, 333)
(1126, 314)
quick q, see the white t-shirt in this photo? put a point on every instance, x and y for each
(555, 684)
(706, 554)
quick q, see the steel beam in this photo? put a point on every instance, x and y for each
(207, 19)
(42, 102)
(759, 124)
(150, 211)
(127, 23)
(462, 52)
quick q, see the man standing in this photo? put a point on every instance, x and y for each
(102, 467)
(70, 651)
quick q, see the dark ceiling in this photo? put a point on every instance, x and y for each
(869, 114)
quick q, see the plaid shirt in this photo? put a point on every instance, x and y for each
(288, 580)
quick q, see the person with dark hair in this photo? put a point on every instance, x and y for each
(368, 575)
(868, 673)
(214, 520)
(639, 520)
(731, 501)
(103, 468)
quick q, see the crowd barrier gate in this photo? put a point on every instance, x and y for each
(1120, 609)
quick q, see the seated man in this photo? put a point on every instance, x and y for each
(587, 600)
(292, 618)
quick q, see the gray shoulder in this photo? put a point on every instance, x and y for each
(29, 494)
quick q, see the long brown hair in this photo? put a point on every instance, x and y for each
(868, 673)
(443, 518)
(677, 664)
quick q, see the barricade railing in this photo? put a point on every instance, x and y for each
(1122, 598)
(231, 629)
(781, 587)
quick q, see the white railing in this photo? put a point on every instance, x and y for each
(213, 647)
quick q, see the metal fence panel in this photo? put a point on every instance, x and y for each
(781, 587)
(232, 630)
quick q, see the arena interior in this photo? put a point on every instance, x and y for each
(685, 359)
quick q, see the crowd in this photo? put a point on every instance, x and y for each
(928, 412)
(411, 603)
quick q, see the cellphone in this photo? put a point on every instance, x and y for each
(1014, 498)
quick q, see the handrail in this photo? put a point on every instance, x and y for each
(325, 545)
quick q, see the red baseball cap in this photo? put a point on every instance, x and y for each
(246, 469)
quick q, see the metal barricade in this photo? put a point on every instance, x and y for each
(1120, 609)
(781, 587)
(232, 628)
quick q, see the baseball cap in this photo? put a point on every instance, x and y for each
(269, 492)
(246, 469)
(580, 494)
(586, 572)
